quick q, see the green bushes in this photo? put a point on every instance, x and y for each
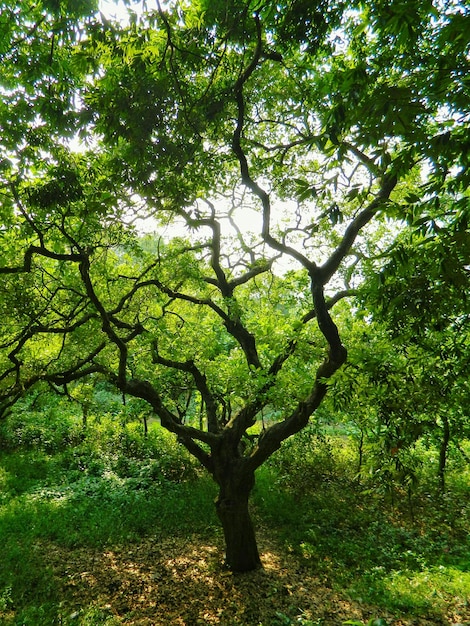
(114, 483)
(311, 458)
(127, 451)
(50, 429)
(112, 439)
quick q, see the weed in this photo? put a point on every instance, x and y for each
(372, 622)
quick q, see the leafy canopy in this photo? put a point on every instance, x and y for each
(276, 149)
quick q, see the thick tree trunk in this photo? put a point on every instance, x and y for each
(241, 550)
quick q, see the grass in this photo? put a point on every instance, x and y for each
(90, 512)
(113, 487)
(409, 558)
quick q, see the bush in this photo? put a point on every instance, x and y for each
(50, 429)
(310, 459)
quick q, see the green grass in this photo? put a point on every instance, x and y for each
(113, 487)
(92, 511)
(410, 558)
(430, 589)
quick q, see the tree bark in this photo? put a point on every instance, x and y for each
(443, 451)
(241, 549)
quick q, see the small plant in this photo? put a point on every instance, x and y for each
(282, 619)
(5, 599)
(96, 616)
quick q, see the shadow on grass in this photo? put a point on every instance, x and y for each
(41, 512)
(178, 580)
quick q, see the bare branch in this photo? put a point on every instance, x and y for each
(200, 381)
(186, 434)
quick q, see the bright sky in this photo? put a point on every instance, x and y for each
(117, 9)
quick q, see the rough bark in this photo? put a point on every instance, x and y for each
(235, 486)
(241, 549)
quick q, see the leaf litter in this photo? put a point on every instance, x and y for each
(181, 581)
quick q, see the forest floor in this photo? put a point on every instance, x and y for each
(181, 581)
(90, 538)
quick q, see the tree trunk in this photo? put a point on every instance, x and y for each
(241, 550)
(443, 451)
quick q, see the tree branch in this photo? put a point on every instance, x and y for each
(247, 180)
(201, 384)
(186, 434)
(271, 439)
(328, 269)
(105, 318)
(42, 251)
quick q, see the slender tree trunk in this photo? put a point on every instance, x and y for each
(241, 550)
(361, 457)
(443, 451)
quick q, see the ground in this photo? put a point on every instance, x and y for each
(182, 582)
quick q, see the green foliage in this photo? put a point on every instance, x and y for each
(117, 486)
(309, 459)
(50, 428)
(372, 622)
(114, 485)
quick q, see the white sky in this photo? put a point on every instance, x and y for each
(117, 9)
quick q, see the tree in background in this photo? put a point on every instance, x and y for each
(276, 147)
(420, 298)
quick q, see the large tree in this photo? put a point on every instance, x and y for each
(272, 145)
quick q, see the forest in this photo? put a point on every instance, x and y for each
(234, 340)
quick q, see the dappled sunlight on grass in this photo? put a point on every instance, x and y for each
(95, 539)
(435, 588)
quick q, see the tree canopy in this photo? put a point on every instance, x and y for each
(187, 196)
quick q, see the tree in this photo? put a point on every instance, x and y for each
(265, 141)
(420, 298)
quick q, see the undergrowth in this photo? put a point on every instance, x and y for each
(408, 554)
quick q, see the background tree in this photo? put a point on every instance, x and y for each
(258, 138)
(420, 296)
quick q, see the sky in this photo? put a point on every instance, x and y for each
(117, 8)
